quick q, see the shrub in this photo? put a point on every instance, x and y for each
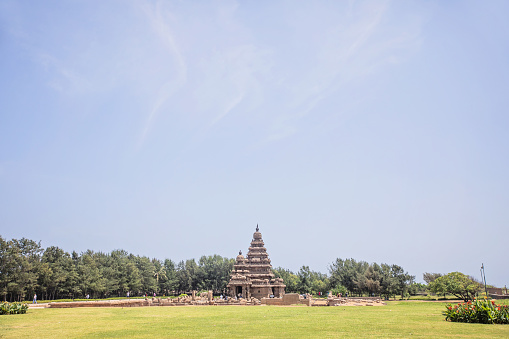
(13, 308)
(482, 311)
(339, 289)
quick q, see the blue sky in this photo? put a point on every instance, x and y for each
(373, 130)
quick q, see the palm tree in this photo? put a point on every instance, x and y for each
(159, 272)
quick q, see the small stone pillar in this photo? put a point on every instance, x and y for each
(193, 297)
(210, 296)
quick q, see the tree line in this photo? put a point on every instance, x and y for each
(26, 269)
(360, 277)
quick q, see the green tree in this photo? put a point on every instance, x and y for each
(91, 279)
(304, 283)
(372, 279)
(290, 279)
(348, 273)
(169, 283)
(72, 288)
(416, 288)
(388, 283)
(53, 271)
(430, 277)
(214, 272)
(187, 274)
(159, 272)
(146, 268)
(339, 289)
(115, 271)
(457, 284)
(319, 283)
(133, 278)
(403, 279)
(7, 266)
(26, 254)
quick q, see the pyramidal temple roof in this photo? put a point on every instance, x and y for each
(254, 272)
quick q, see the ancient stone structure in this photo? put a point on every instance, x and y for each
(498, 293)
(288, 299)
(206, 299)
(252, 277)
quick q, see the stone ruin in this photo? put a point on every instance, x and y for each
(498, 293)
(251, 283)
(206, 298)
(203, 299)
(252, 276)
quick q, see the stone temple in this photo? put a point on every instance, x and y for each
(252, 277)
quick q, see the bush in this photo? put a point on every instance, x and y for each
(13, 308)
(339, 289)
(482, 311)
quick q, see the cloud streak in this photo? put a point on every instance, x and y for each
(359, 42)
(159, 21)
(234, 103)
(207, 62)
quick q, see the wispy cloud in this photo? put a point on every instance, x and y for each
(229, 108)
(233, 77)
(359, 42)
(160, 22)
(205, 63)
(66, 80)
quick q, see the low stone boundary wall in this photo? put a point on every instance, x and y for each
(105, 303)
(183, 301)
(288, 299)
(356, 301)
(499, 296)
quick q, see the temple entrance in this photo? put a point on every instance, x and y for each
(238, 291)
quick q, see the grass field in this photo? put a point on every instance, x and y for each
(396, 320)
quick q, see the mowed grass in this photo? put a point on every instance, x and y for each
(396, 320)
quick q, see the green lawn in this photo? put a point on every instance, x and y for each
(397, 319)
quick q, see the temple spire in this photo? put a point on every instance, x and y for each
(252, 275)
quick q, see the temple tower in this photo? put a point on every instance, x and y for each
(252, 276)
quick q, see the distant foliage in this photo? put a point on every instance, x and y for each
(482, 311)
(290, 279)
(417, 288)
(304, 281)
(13, 308)
(339, 289)
(27, 269)
(359, 277)
(430, 277)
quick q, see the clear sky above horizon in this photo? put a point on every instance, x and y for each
(373, 130)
